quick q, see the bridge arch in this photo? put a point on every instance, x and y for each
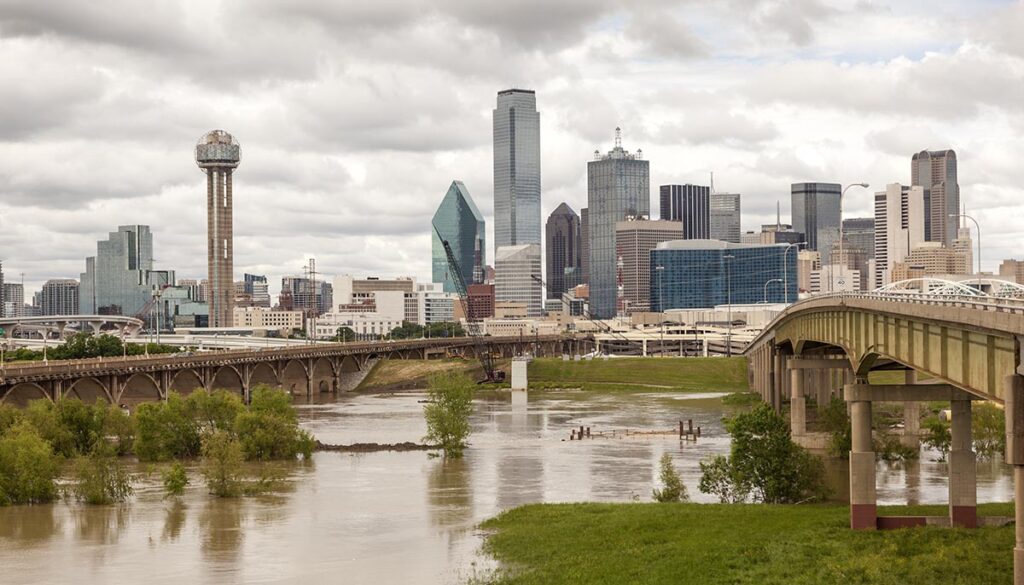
(294, 377)
(349, 364)
(88, 390)
(140, 387)
(186, 382)
(323, 375)
(264, 373)
(227, 378)
(22, 394)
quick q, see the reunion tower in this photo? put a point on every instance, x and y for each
(217, 154)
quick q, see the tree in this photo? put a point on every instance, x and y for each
(167, 430)
(989, 430)
(344, 334)
(447, 412)
(175, 479)
(214, 411)
(408, 330)
(835, 421)
(764, 463)
(28, 466)
(269, 429)
(222, 464)
(100, 478)
(673, 490)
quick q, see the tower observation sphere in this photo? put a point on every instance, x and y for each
(217, 154)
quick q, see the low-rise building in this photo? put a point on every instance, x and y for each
(262, 317)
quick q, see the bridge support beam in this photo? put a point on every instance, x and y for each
(797, 404)
(911, 417)
(1013, 386)
(963, 504)
(863, 504)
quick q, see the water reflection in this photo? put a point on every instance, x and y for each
(28, 526)
(174, 521)
(101, 524)
(449, 492)
(221, 535)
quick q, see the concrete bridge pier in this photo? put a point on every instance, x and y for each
(911, 416)
(963, 497)
(863, 501)
(797, 403)
(1014, 403)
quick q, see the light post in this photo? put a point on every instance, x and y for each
(842, 257)
(978, 227)
(785, 271)
(766, 288)
(728, 299)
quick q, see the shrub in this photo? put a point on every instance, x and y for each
(764, 463)
(835, 421)
(741, 399)
(28, 466)
(101, 479)
(222, 464)
(215, 411)
(9, 416)
(674, 489)
(889, 447)
(269, 429)
(937, 436)
(43, 416)
(989, 430)
(175, 479)
(447, 413)
(167, 430)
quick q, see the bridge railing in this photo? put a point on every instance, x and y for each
(991, 304)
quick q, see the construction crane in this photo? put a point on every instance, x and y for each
(586, 315)
(482, 350)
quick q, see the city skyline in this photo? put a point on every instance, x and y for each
(308, 193)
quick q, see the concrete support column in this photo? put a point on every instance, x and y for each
(911, 416)
(863, 509)
(797, 403)
(1014, 407)
(963, 504)
(823, 394)
(777, 375)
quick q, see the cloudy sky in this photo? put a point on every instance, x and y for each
(354, 116)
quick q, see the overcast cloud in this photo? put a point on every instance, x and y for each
(354, 117)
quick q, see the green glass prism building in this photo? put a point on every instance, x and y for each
(459, 221)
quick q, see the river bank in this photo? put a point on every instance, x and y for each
(715, 544)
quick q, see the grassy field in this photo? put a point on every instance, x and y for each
(396, 374)
(737, 544)
(641, 374)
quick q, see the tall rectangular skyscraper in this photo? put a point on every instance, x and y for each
(690, 205)
(120, 279)
(935, 172)
(725, 217)
(516, 169)
(514, 269)
(563, 251)
(816, 214)
(618, 186)
(899, 227)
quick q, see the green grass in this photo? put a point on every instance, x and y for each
(610, 544)
(641, 374)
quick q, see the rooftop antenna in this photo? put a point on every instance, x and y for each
(618, 137)
(778, 216)
(712, 182)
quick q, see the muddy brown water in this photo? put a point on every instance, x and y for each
(397, 517)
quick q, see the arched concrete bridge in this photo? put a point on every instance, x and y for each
(971, 347)
(58, 324)
(305, 370)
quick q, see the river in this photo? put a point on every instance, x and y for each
(397, 517)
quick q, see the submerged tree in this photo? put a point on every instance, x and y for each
(447, 412)
(673, 489)
(764, 463)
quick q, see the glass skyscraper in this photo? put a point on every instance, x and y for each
(815, 214)
(690, 205)
(618, 187)
(516, 169)
(458, 220)
(706, 273)
(119, 279)
(725, 217)
(563, 251)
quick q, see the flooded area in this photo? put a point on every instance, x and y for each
(399, 517)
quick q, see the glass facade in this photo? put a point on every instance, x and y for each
(816, 214)
(120, 279)
(563, 251)
(514, 269)
(707, 273)
(459, 221)
(618, 186)
(516, 169)
(725, 217)
(689, 205)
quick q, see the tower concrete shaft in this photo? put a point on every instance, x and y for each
(217, 154)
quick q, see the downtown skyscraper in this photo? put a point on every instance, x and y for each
(935, 172)
(563, 251)
(618, 187)
(458, 221)
(816, 215)
(516, 169)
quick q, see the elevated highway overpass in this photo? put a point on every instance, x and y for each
(967, 347)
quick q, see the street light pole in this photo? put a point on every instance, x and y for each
(842, 257)
(728, 299)
(978, 227)
(785, 269)
(766, 288)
